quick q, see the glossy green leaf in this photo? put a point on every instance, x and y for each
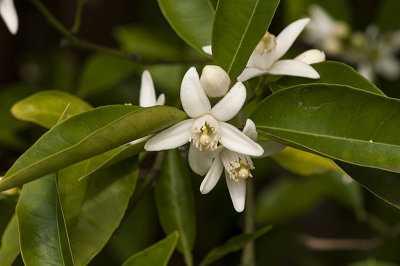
(86, 135)
(175, 202)
(95, 206)
(102, 71)
(150, 43)
(339, 122)
(157, 254)
(234, 244)
(43, 233)
(191, 19)
(332, 72)
(384, 184)
(304, 163)
(44, 108)
(238, 27)
(9, 248)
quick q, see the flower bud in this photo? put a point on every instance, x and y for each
(215, 81)
(311, 56)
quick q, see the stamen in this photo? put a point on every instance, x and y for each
(205, 133)
(267, 44)
(237, 165)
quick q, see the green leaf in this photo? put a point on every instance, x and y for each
(372, 262)
(304, 163)
(45, 108)
(234, 244)
(9, 248)
(86, 135)
(238, 28)
(332, 72)
(42, 228)
(102, 71)
(384, 184)
(191, 20)
(153, 43)
(175, 202)
(339, 122)
(157, 254)
(95, 206)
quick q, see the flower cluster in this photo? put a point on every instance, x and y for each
(215, 145)
(372, 52)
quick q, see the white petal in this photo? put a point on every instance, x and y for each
(311, 56)
(250, 72)
(270, 147)
(194, 99)
(366, 71)
(237, 190)
(250, 130)
(147, 96)
(200, 161)
(287, 37)
(172, 137)
(207, 49)
(212, 177)
(231, 104)
(234, 140)
(136, 141)
(9, 15)
(293, 68)
(161, 99)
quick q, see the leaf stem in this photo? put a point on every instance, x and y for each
(248, 255)
(78, 16)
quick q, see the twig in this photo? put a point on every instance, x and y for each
(316, 243)
(248, 256)
(78, 16)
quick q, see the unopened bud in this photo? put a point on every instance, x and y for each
(215, 81)
(311, 56)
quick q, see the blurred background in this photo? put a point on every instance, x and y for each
(319, 216)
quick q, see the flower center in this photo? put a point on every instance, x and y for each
(267, 44)
(205, 133)
(238, 166)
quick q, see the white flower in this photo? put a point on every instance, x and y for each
(265, 58)
(147, 97)
(206, 127)
(325, 32)
(311, 56)
(237, 166)
(9, 15)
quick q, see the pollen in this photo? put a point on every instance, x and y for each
(267, 44)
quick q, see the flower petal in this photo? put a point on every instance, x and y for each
(311, 56)
(207, 49)
(237, 190)
(212, 177)
(287, 37)
(234, 140)
(161, 99)
(194, 99)
(250, 130)
(231, 104)
(250, 72)
(147, 96)
(200, 161)
(293, 68)
(172, 137)
(136, 141)
(9, 15)
(270, 147)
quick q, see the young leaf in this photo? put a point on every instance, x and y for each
(45, 108)
(86, 135)
(304, 163)
(238, 27)
(339, 122)
(157, 254)
(9, 248)
(95, 206)
(102, 71)
(332, 72)
(191, 20)
(234, 244)
(41, 223)
(175, 202)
